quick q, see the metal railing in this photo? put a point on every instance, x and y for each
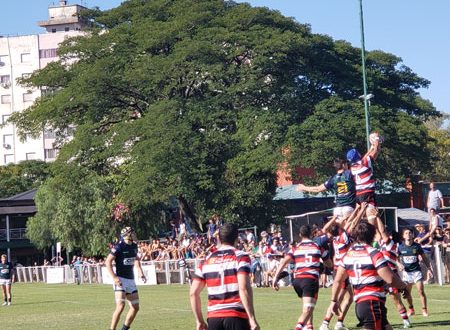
(14, 233)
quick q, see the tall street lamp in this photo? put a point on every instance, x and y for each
(363, 61)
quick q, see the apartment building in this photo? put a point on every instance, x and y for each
(19, 57)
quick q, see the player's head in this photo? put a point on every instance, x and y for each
(353, 156)
(127, 234)
(407, 234)
(4, 258)
(334, 230)
(339, 164)
(364, 232)
(305, 231)
(228, 233)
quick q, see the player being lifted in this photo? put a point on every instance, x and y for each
(6, 279)
(343, 184)
(125, 256)
(307, 257)
(362, 170)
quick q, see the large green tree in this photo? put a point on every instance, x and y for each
(26, 175)
(196, 99)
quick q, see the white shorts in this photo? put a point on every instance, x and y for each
(412, 277)
(128, 285)
(5, 281)
(342, 211)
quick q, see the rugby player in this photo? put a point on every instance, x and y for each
(125, 256)
(343, 184)
(411, 253)
(225, 273)
(307, 257)
(341, 243)
(367, 270)
(6, 279)
(362, 170)
(389, 248)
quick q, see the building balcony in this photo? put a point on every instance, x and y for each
(14, 234)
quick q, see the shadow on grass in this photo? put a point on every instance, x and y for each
(418, 325)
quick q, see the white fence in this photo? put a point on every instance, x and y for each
(157, 272)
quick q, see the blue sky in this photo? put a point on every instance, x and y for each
(417, 31)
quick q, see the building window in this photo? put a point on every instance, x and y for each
(5, 81)
(3, 60)
(8, 158)
(49, 134)
(8, 140)
(30, 155)
(53, 30)
(5, 119)
(66, 29)
(27, 97)
(50, 153)
(5, 99)
(48, 53)
(25, 58)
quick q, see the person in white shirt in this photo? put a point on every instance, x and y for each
(434, 199)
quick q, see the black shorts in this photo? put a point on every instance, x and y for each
(368, 197)
(306, 287)
(372, 314)
(228, 323)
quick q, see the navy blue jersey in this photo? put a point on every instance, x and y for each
(6, 270)
(125, 256)
(409, 256)
(343, 184)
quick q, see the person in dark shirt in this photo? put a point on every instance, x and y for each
(343, 184)
(410, 254)
(6, 278)
(125, 256)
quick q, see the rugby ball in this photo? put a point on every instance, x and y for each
(374, 137)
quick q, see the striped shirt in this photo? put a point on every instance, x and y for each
(219, 272)
(361, 264)
(307, 258)
(390, 253)
(341, 244)
(363, 174)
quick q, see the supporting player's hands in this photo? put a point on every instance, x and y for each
(201, 325)
(143, 278)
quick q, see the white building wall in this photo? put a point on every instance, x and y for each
(20, 56)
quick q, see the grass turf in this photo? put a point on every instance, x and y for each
(37, 306)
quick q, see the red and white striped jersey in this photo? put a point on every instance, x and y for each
(219, 271)
(363, 174)
(307, 258)
(390, 253)
(341, 244)
(361, 264)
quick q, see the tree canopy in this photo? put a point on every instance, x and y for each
(196, 99)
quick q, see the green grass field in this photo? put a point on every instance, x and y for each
(38, 306)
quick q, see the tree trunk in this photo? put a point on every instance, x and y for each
(187, 213)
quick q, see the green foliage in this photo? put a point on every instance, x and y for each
(26, 175)
(439, 133)
(196, 99)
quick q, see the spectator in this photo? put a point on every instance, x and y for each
(434, 199)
